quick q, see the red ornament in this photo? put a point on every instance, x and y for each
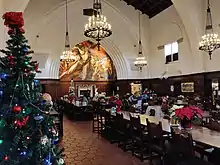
(36, 67)
(21, 123)
(12, 63)
(6, 158)
(11, 57)
(16, 109)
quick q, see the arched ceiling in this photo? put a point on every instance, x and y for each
(46, 19)
(48, 22)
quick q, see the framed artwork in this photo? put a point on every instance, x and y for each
(187, 87)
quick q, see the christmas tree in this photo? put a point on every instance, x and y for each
(27, 131)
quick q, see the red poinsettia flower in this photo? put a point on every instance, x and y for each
(188, 112)
(197, 111)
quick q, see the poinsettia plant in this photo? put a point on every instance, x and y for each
(189, 113)
(172, 110)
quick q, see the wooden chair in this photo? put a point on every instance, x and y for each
(109, 131)
(139, 138)
(95, 124)
(215, 115)
(123, 132)
(156, 140)
(182, 151)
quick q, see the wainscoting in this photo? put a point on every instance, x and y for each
(57, 88)
(170, 86)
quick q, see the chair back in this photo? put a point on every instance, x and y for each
(135, 122)
(182, 144)
(155, 133)
(107, 116)
(118, 120)
(136, 128)
(214, 125)
(215, 115)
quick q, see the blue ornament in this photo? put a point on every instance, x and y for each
(3, 76)
(25, 49)
(1, 92)
(38, 118)
(36, 81)
(47, 160)
(23, 153)
(56, 141)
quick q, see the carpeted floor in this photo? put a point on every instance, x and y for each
(83, 147)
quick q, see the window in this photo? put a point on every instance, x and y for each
(171, 52)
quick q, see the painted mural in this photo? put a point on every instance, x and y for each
(90, 64)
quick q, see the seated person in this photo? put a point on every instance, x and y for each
(158, 111)
(126, 103)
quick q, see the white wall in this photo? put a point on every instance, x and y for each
(185, 19)
(166, 28)
(2, 29)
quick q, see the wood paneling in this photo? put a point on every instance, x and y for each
(58, 88)
(202, 85)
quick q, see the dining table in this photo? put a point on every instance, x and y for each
(200, 134)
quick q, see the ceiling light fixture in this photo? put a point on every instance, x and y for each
(97, 28)
(67, 55)
(140, 61)
(210, 41)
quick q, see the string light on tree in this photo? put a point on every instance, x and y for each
(23, 119)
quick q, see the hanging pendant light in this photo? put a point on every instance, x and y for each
(67, 55)
(210, 41)
(140, 61)
(97, 28)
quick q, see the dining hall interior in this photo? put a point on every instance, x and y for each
(134, 82)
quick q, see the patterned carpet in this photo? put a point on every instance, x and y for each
(83, 147)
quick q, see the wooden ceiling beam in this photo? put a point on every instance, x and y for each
(131, 2)
(142, 4)
(157, 3)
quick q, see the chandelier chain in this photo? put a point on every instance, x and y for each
(67, 44)
(139, 24)
(209, 25)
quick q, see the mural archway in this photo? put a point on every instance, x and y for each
(90, 64)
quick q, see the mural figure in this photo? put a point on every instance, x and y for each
(90, 64)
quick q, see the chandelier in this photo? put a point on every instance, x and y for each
(210, 41)
(97, 28)
(67, 55)
(140, 61)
